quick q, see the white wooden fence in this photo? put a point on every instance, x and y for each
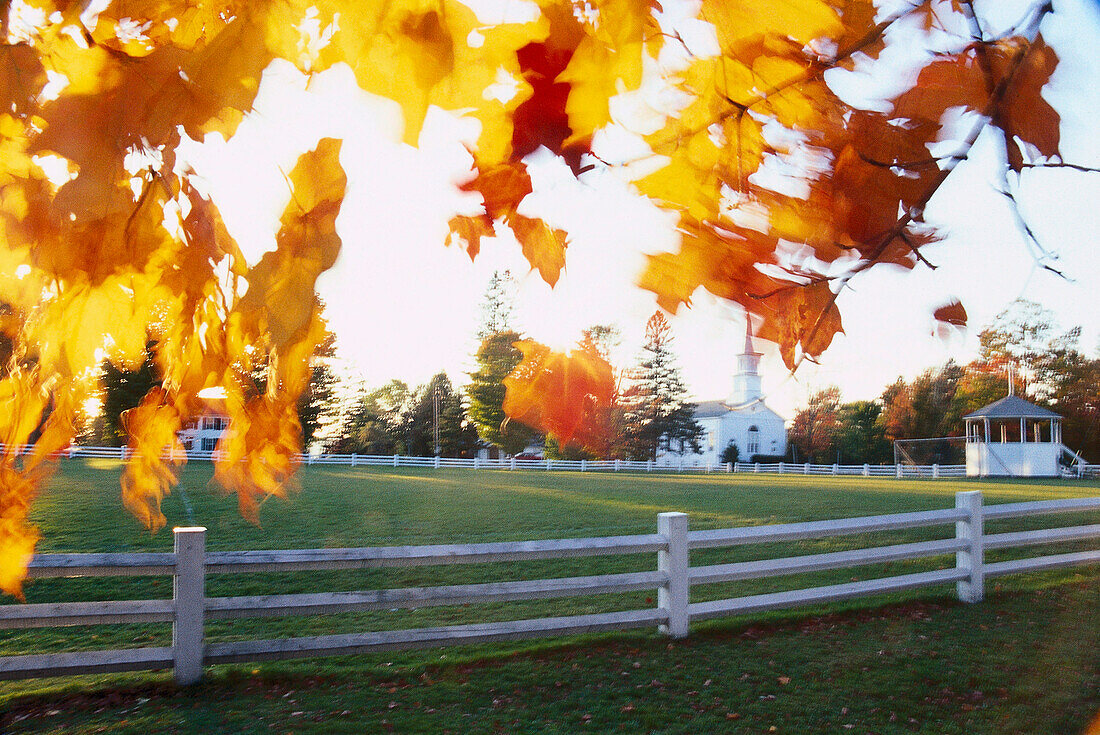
(673, 578)
(668, 464)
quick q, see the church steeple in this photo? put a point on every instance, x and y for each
(746, 381)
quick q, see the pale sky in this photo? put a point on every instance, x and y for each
(405, 306)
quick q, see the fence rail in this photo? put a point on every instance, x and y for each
(680, 464)
(673, 578)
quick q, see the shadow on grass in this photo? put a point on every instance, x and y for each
(1019, 662)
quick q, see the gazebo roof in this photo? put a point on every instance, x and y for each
(1012, 407)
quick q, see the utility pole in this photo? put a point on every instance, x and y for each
(435, 418)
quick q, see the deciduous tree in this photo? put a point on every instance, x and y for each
(860, 438)
(814, 429)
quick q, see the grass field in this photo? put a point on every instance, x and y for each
(1025, 660)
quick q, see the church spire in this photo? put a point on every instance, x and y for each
(749, 347)
(746, 381)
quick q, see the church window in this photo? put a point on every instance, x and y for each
(754, 441)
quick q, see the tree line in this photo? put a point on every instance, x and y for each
(1050, 370)
(648, 413)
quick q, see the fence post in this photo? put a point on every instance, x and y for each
(584, 466)
(437, 461)
(836, 468)
(353, 458)
(616, 465)
(729, 466)
(781, 468)
(649, 465)
(395, 460)
(971, 559)
(548, 463)
(935, 471)
(866, 470)
(806, 469)
(898, 471)
(188, 597)
(513, 465)
(673, 595)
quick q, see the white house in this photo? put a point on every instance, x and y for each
(202, 434)
(742, 418)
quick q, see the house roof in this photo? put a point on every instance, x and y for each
(1012, 407)
(717, 409)
(710, 409)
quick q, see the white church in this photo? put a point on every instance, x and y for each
(742, 418)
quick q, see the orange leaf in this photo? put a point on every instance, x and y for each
(951, 313)
(949, 318)
(1023, 113)
(470, 230)
(503, 187)
(560, 394)
(543, 246)
(803, 317)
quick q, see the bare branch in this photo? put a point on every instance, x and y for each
(1043, 254)
(1062, 164)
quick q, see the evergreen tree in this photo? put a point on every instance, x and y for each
(457, 438)
(122, 390)
(496, 310)
(496, 358)
(374, 424)
(658, 415)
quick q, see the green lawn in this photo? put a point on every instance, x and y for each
(1026, 660)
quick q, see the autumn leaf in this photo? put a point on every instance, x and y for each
(502, 187)
(951, 313)
(543, 246)
(280, 297)
(1025, 114)
(156, 454)
(949, 317)
(801, 320)
(560, 393)
(470, 230)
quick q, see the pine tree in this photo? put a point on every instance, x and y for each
(659, 416)
(496, 310)
(373, 425)
(456, 436)
(122, 390)
(496, 358)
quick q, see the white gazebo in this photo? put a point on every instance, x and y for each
(1013, 438)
